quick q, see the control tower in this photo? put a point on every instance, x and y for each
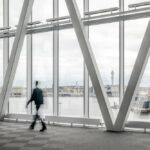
(112, 78)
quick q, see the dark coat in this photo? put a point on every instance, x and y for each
(37, 97)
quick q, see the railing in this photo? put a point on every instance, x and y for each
(138, 124)
(84, 121)
(72, 121)
(57, 120)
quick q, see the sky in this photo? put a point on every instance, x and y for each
(104, 40)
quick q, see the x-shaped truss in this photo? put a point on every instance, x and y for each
(139, 67)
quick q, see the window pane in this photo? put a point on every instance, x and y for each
(70, 75)
(105, 45)
(15, 7)
(18, 97)
(141, 107)
(133, 40)
(103, 4)
(43, 68)
(94, 109)
(63, 10)
(46, 8)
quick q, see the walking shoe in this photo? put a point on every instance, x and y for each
(43, 129)
(31, 128)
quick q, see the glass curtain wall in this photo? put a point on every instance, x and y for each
(18, 95)
(42, 58)
(105, 45)
(104, 40)
(133, 40)
(42, 54)
(70, 69)
(70, 75)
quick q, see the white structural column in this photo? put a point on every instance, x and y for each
(55, 60)
(5, 40)
(134, 81)
(86, 74)
(121, 54)
(15, 54)
(29, 67)
(91, 63)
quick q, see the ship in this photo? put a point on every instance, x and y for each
(141, 105)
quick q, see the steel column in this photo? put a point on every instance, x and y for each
(121, 53)
(86, 74)
(5, 40)
(29, 67)
(15, 54)
(55, 61)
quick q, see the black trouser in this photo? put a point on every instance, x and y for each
(37, 117)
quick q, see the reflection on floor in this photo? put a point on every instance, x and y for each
(16, 136)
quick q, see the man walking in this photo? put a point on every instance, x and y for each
(37, 97)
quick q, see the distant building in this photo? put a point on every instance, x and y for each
(18, 92)
(112, 78)
(111, 90)
(71, 90)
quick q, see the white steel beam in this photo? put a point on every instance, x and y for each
(96, 20)
(134, 81)
(29, 68)
(91, 63)
(121, 54)
(86, 74)
(55, 60)
(86, 92)
(15, 54)
(5, 40)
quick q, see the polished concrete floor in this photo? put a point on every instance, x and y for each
(16, 136)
